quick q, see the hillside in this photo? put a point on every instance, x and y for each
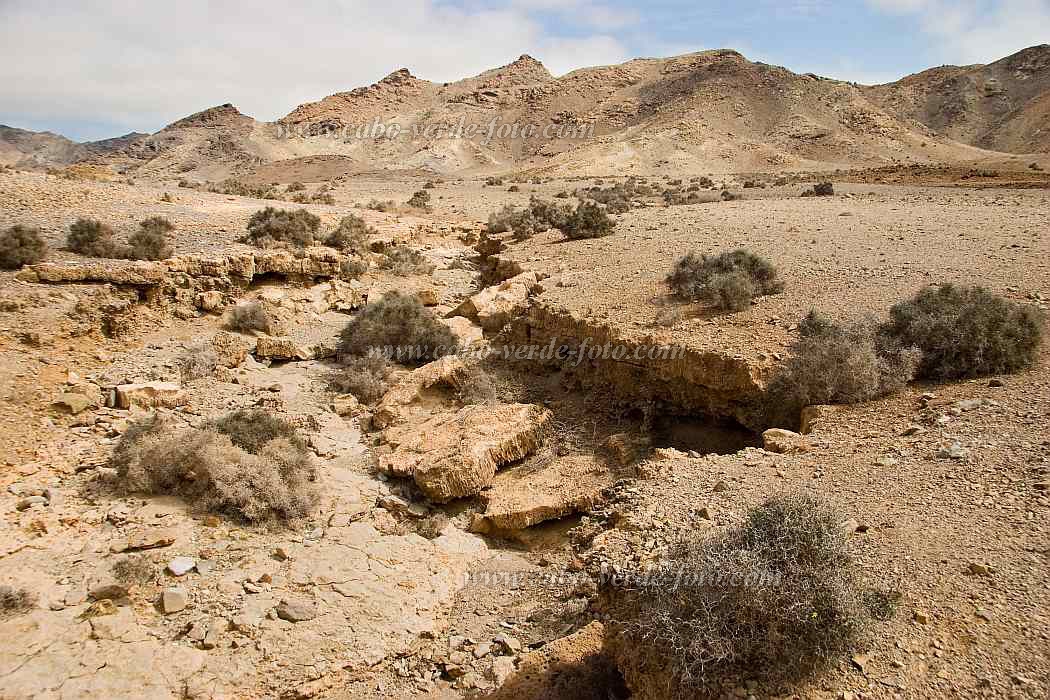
(1003, 106)
(707, 112)
(36, 149)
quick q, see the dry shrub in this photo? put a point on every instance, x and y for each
(350, 236)
(197, 361)
(838, 364)
(431, 526)
(249, 464)
(777, 598)
(270, 227)
(728, 281)
(364, 377)
(249, 316)
(419, 200)
(21, 245)
(538, 217)
(475, 386)
(136, 569)
(404, 261)
(382, 205)
(398, 327)
(93, 239)
(966, 332)
(589, 220)
(150, 241)
(15, 601)
(821, 189)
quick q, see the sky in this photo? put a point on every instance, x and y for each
(93, 69)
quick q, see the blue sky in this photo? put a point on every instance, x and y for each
(100, 68)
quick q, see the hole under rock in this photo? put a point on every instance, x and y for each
(703, 434)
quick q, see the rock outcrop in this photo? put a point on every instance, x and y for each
(456, 455)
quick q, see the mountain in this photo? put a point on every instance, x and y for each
(42, 149)
(1003, 106)
(711, 111)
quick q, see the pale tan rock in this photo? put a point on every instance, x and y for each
(210, 301)
(495, 306)
(522, 498)
(281, 348)
(232, 349)
(467, 333)
(345, 296)
(424, 388)
(784, 441)
(149, 395)
(129, 272)
(454, 455)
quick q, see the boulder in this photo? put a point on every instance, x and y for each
(423, 388)
(123, 272)
(149, 395)
(495, 306)
(231, 349)
(522, 498)
(282, 348)
(466, 332)
(784, 442)
(72, 403)
(456, 455)
(210, 301)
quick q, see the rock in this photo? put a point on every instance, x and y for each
(519, 499)
(920, 617)
(346, 405)
(510, 645)
(72, 403)
(782, 441)
(465, 331)
(344, 296)
(977, 569)
(282, 348)
(913, 430)
(210, 301)
(956, 452)
(180, 566)
(122, 272)
(482, 650)
(30, 501)
(151, 538)
(456, 455)
(296, 610)
(418, 388)
(149, 395)
(173, 600)
(231, 349)
(625, 449)
(495, 306)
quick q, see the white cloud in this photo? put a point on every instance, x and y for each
(141, 65)
(976, 31)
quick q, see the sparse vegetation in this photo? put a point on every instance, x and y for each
(401, 324)
(419, 200)
(589, 220)
(821, 189)
(524, 223)
(15, 601)
(134, 570)
(777, 598)
(404, 261)
(350, 236)
(364, 377)
(197, 361)
(93, 238)
(249, 316)
(838, 364)
(270, 227)
(151, 240)
(494, 181)
(21, 245)
(966, 332)
(387, 205)
(729, 281)
(249, 464)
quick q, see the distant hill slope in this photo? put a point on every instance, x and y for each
(712, 111)
(1003, 106)
(41, 149)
